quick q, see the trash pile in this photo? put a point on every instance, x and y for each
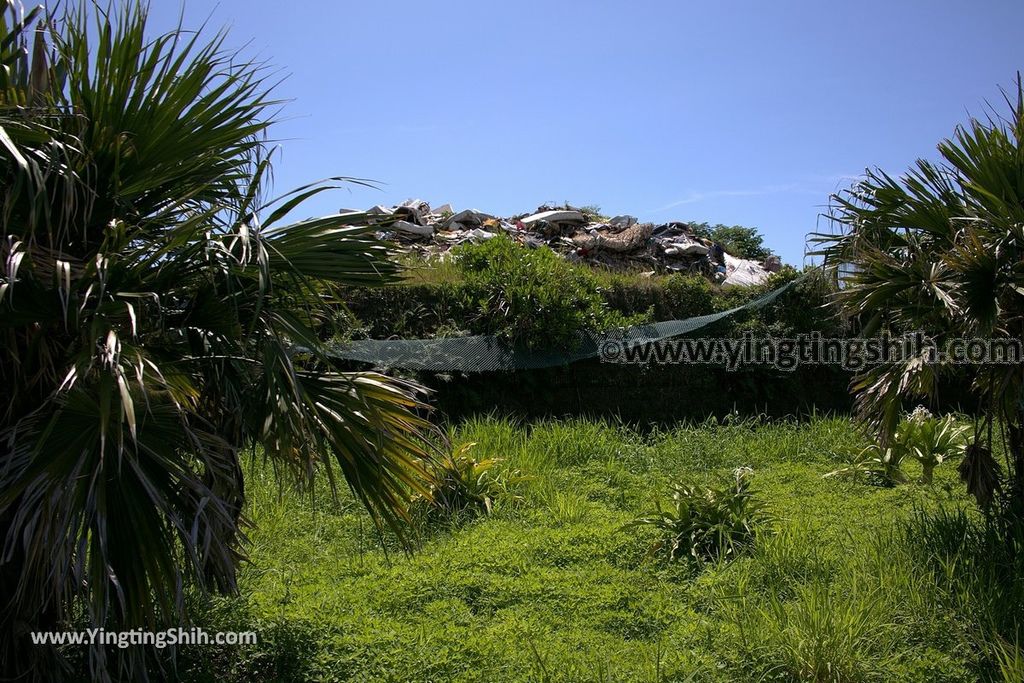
(620, 243)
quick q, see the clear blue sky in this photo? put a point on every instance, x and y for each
(746, 113)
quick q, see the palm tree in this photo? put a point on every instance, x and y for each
(941, 251)
(157, 318)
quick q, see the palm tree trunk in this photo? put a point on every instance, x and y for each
(1015, 494)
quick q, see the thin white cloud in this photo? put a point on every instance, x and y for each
(696, 196)
(813, 185)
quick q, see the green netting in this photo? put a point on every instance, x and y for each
(486, 353)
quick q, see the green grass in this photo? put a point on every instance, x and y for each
(847, 586)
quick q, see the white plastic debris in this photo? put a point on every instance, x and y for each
(478, 235)
(418, 204)
(743, 273)
(555, 217)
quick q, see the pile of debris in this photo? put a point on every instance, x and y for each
(621, 242)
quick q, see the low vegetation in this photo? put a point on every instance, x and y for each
(848, 581)
(922, 437)
(703, 523)
(537, 298)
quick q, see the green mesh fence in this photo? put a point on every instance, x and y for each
(486, 353)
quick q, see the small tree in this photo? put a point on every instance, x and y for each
(738, 240)
(941, 251)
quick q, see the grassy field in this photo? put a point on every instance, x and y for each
(849, 582)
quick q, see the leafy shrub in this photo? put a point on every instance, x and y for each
(707, 523)
(920, 436)
(532, 296)
(465, 486)
(738, 240)
(878, 464)
(929, 440)
(689, 295)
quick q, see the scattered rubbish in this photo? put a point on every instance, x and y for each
(413, 228)
(478, 235)
(743, 273)
(619, 243)
(622, 222)
(630, 239)
(555, 217)
(470, 218)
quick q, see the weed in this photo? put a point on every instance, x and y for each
(922, 437)
(707, 523)
(822, 635)
(464, 485)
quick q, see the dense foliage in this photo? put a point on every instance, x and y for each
(152, 308)
(738, 240)
(940, 251)
(532, 297)
(436, 300)
(499, 287)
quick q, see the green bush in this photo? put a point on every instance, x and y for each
(922, 437)
(465, 486)
(707, 523)
(532, 297)
(689, 295)
(738, 240)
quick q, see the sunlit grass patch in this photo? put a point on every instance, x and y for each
(846, 583)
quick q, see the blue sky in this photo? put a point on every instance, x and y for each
(746, 113)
